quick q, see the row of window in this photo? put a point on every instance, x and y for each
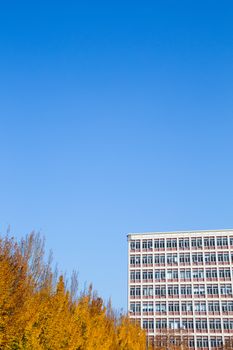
(181, 290)
(182, 258)
(182, 243)
(188, 342)
(211, 307)
(200, 324)
(184, 274)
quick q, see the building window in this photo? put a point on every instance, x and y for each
(135, 307)
(147, 275)
(148, 324)
(201, 323)
(213, 307)
(174, 324)
(132, 245)
(160, 307)
(147, 291)
(173, 290)
(147, 260)
(135, 291)
(198, 273)
(173, 307)
(226, 289)
(147, 307)
(187, 323)
(210, 257)
(200, 307)
(159, 259)
(186, 307)
(186, 290)
(172, 274)
(222, 242)
(199, 290)
(212, 290)
(215, 324)
(224, 273)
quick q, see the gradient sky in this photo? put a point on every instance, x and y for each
(115, 117)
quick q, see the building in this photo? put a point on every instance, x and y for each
(180, 285)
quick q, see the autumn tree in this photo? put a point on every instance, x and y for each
(39, 311)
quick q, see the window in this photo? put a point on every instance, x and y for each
(201, 323)
(161, 324)
(202, 343)
(132, 259)
(187, 323)
(184, 243)
(185, 290)
(181, 243)
(172, 274)
(172, 259)
(198, 274)
(213, 307)
(150, 275)
(132, 276)
(159, 259)
(147, 244)
(224, 273)
(132, 307)
(159, 274)
(173, 290)
(215, 324)
(226, 289)
(137, 245)
(138, 291)
(147, 291)
(160, 307)
(212, 289)
(135, 291)
(196, 242)
(173, 307)
(147, 307)
(187, 307)
(222, 242)
(135, 307)
(187, 274)
(137, 260)
(174, 324)
(185, 259)
(191, 342)
(174, 243)
(200, 307)
(228, 324)
(193, 242)
(211, 273)
(199, 290)
(160, 291)
(227, 306)
(210, 257)
(148, 324)
(132, 245)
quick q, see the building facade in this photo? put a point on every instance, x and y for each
(180, 285)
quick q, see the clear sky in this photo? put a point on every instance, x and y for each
(115, 117)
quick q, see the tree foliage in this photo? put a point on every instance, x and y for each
(39, 312)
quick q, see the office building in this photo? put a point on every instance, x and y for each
(180, 285)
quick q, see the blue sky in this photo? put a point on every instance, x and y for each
(115, 117)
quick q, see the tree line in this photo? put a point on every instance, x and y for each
(39, 310)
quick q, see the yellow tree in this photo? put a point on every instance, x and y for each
(130, 335)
